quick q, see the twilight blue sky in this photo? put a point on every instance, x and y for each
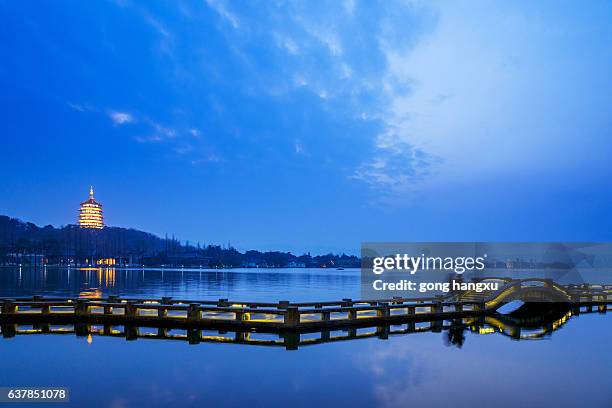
(311, 126)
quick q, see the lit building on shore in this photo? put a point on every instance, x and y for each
(106, 262)
(90, 213)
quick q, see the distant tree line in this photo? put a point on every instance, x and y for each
(26, 243)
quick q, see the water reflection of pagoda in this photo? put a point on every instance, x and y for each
(90, 213)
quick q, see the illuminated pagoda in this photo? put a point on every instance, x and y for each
(90, 213)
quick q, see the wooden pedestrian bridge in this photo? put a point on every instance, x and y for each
(535, 325)
(301, 316)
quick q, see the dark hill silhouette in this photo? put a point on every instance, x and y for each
(26, 243)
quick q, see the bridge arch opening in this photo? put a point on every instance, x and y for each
(536, 291)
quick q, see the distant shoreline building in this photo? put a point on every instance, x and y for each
(90, 213)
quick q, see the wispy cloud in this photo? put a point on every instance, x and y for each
(156, 133)
(327, 37)
(76, 107)
(221, 8)
(211, 158)
(82, 107)
(287, 43)
(396, 168)
(159, 27)
(165, 41)
(165, 132)
(425, 87)
(121, 118)
(183, 149)
(148, 130)
(182, 141)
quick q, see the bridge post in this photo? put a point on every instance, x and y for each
(291, 340)
(193, 313)
(436, 308)
(81, 308)
(602, 308)
(193, 336)
(411, 310)
(346, 302)
(162, 312)
(382, 332)
(108, 310)
(325, 316)
(436, 326)
(383, 311)
(44, 327)
(411, 326)
(131, 332)
(240, 337)
(283, 304)
(325, 335)
(8, 307)
(130, 309)
(292, 316)
(9, 330)
(458, 307)
(81, 329)
(352, 314)
(45, 310)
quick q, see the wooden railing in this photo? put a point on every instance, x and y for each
(281, 315)
(253, 314)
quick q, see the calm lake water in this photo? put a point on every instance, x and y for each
(237, 284)
(572, 367)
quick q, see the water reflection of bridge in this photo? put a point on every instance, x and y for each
(536, 324)
(289, 318)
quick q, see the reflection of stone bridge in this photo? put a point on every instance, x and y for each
(286, 316)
